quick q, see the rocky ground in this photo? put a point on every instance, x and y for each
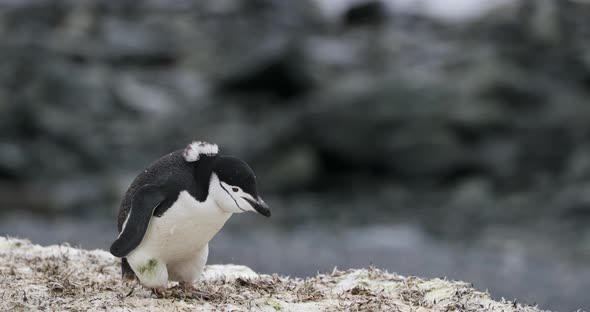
(60, 277)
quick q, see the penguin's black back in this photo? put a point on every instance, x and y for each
(171, 172)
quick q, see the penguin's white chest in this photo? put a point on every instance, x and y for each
(183, 230)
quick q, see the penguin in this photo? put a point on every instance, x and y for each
(175, 207)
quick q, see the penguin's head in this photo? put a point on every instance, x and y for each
(233, 187)
(232, 183)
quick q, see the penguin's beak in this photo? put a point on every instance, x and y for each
(260, 206)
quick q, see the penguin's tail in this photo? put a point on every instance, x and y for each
(126, 270)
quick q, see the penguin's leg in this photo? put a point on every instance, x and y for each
(151, 271)
(186, 272)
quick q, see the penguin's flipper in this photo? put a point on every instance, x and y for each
(143, 204)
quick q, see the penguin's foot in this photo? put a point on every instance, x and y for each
(159, 292)
(191, 291)
(188, 287)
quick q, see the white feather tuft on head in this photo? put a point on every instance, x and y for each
(198, 148)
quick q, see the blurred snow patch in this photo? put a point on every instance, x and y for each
(446, 10)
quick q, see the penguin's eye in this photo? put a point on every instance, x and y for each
(235, 189)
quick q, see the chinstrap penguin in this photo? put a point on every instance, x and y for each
(174, 207)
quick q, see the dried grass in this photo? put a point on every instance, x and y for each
(35, 278)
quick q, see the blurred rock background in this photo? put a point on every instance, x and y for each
(430, 138)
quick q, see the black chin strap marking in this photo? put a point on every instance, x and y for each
(235, 201)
